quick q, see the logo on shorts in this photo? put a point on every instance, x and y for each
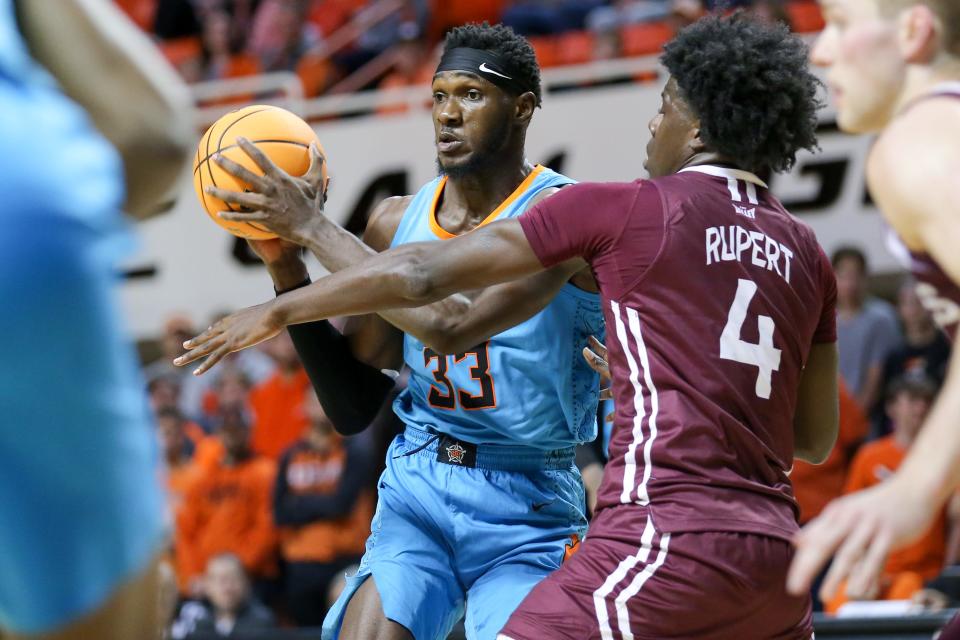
(455, 453)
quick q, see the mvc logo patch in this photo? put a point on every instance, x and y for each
(455, 454)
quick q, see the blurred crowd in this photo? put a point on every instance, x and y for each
(269, 506)
(349, 45)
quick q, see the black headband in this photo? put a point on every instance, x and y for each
(485, 64)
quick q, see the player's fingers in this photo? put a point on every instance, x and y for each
(244, 216)
(214, 358)
(596, 363)
(864, 577)
(314, 175)
(850, 552)
(598, 347)
(814, 546)
(199, 351)
(257, 183)
(607, 394)
(212, 330)
(246, 200)
(260, 158)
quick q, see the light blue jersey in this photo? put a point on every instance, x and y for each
(480, 498)
(80, 504)
(528, 385)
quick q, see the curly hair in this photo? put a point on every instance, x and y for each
(504, 42)
(751, 88)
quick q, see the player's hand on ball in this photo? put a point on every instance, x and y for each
(237, 331)
(596, 357)
(286, 205)
(861, 528)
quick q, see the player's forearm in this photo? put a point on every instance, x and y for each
(96, 55)
(287, 273)
(337, 249)
(389, 280)
(932, 467)
(414, 275)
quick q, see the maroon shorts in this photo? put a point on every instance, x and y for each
(630, 581)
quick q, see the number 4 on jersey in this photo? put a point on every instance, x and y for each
(762, 355)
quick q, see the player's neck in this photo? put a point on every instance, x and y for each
(708, 157)
(468, 200)
(921, 80)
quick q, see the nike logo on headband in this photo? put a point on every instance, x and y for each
(486, 69)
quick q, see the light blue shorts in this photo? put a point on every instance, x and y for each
(80, 501)
(448, 540)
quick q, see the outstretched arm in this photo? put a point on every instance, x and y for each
(407, 276)
(293, 208)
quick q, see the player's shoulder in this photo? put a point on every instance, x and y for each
(917, 154)
(384, 220)
(602, 193)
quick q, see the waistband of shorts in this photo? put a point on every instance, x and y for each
(493, 457)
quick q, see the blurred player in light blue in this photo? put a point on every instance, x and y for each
(80, 504)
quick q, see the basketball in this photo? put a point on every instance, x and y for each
(284, 137)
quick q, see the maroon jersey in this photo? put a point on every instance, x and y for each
(938, 292)
(713, 296)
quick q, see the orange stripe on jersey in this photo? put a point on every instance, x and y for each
(443, 234)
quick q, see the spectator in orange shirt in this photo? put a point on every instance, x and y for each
(277, 402)
(323, 506)
(227, 507)
(908, 401)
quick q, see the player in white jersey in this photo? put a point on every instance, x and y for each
(893, 68)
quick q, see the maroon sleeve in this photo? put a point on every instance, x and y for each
(582, 220)
(827, 327)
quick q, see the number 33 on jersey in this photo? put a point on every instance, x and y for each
(528, 385)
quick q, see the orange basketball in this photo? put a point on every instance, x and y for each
(281, 135)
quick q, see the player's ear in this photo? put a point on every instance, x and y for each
(697, 145)
(917, 34)
(525, 104)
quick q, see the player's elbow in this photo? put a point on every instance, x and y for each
(154, 161)
(419, 284)
(442, 337)
(814, 440)
(447, 333)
